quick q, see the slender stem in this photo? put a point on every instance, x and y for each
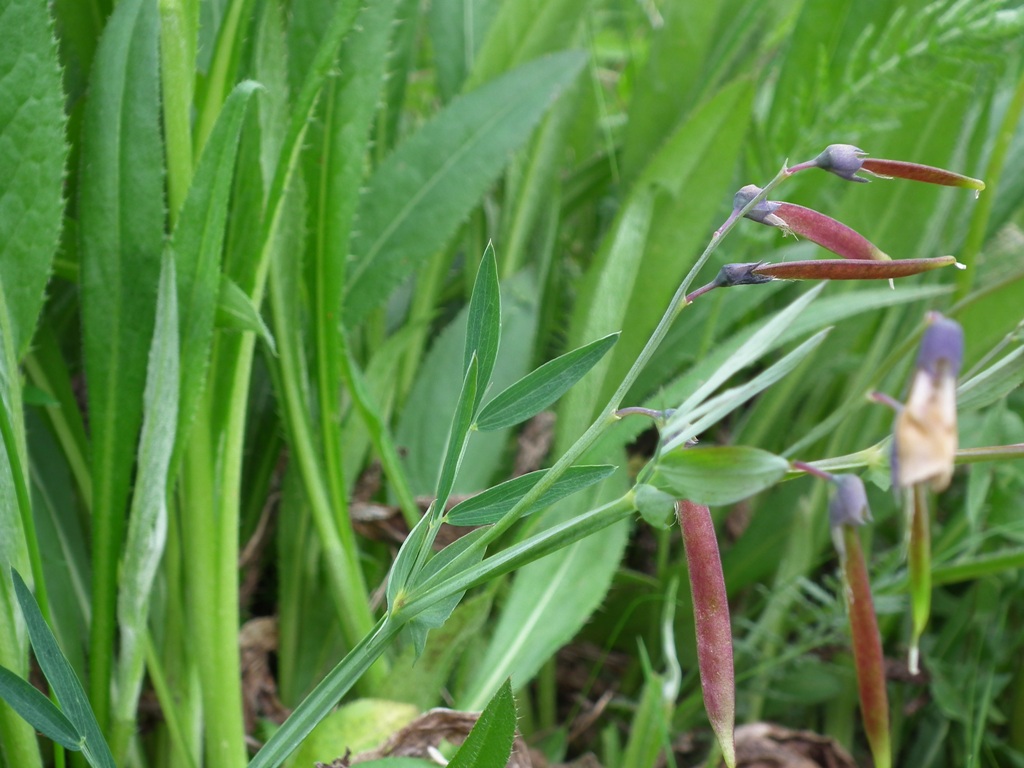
(607, 416)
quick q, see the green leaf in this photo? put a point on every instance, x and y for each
(749, 352)
(718, 475)
(489, 744)
(32, 153)
(197, 243)
(491, 505)
(458, 437)
(426, 187)
(147, 523)
(121, 238)
(540, 388)
(235, 311)
(710, 411)
(523, 31)
(439, 566)
(39, 711)
(483, 329)
(457, 29)
(425, 419)
(62, 679)
(993, 383)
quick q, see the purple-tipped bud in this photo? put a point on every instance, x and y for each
(925, 435)
(867, 648)
(845, 160)
(711, 615)
(849, 503)
(841, 159)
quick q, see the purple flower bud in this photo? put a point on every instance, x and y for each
(849, 503)
(845, 160)
(841, 159)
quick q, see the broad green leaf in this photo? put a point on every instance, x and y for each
(41, 713)
(32, 154)
(235, 311)
(717, 475)
(710, 411)
(121, 237)
(197, 243)
(993, 383)
(147, 522)
(665, 91)
(457, 29)
(16, 540)
(483, 325)
(489, 744)
(491, 505)
(523, 31)
(355, 726)
(62, 679)
(458, 437)
(427, 186)
(540, 388)
(601, 305)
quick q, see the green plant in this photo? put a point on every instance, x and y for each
(342, 168)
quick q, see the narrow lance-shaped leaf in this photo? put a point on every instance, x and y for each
(147, 523)
(421, 193)
(32, 154)
(491, 505)
(197, 243)
(41, 713)
(62, 679)
(540, 388)
(483, 329)
(121, 237)
(714, 629)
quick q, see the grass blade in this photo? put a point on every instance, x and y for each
(41, 713)
(147, 523)
(121, 231)
(62, 678)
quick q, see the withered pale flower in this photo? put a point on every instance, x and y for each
(925, 435)
(846, 160)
